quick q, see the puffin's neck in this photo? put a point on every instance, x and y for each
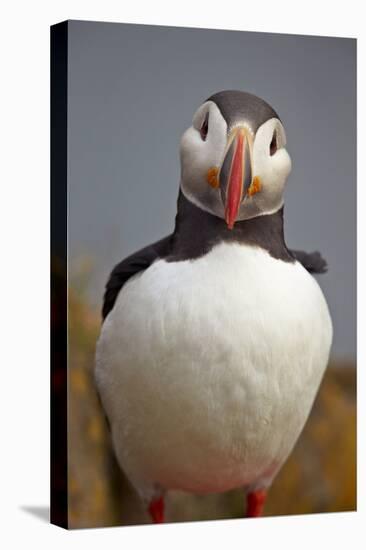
(197, 231)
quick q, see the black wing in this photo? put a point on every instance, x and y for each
(312, 261)
(139, 261)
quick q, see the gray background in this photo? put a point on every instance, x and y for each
(133, 90)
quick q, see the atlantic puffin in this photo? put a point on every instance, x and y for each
(215, 338)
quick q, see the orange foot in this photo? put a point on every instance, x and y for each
(255, 503)
(156, 510)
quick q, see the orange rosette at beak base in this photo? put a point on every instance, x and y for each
(213, 177)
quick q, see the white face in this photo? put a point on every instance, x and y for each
(262, 164)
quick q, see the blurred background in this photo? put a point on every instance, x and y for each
(132, 91)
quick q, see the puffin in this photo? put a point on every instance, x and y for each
(215, 338)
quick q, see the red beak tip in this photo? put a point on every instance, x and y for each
(230, 223)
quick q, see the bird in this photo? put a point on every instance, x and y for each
(215, 339)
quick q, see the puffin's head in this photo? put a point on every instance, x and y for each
(233, 158)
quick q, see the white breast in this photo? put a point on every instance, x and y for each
(208, 368)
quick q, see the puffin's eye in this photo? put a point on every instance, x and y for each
(273, 144)
(204, 128)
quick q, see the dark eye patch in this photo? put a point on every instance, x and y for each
(273, 145)
(204, 128)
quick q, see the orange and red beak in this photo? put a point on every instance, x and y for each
(236, 173)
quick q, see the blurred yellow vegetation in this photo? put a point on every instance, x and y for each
(320, 475)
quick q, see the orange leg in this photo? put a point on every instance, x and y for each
(156, 510)
(255, 503)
